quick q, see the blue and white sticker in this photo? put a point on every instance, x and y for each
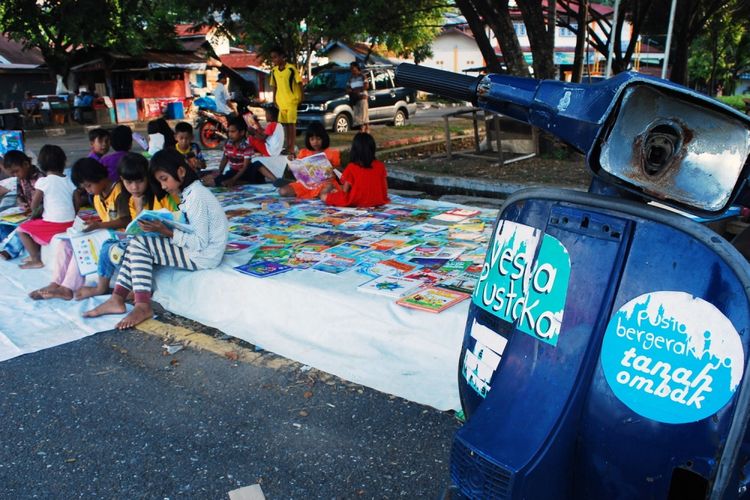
(481, 363)
(518, 288)
(672, 357)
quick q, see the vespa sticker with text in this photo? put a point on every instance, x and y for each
(521, 289)
(672, 357)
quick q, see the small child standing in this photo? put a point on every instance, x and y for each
(201, 249)
(364, 182)
(53, 201)
(183, 135)
(316, 141)
(99, 141)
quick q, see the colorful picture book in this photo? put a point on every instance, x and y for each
(390, 286)
(263, 268)
(173, 220)
(335, 264)
(87, 249)
(312, 170)
(432, 299)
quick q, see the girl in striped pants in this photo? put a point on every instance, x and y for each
(202, 248)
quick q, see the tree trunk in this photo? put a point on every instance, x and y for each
(497, 16)
(541, 36)
(581, 36)
(477, 28)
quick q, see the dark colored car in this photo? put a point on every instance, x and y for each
(326, 100)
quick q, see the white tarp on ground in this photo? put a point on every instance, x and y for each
(28, 326)
(309, 316)
(323, 321)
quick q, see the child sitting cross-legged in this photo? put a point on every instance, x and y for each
(238, 153)
(203, 248)
(316, 141)
(111, 204)
(133, 170)
(52, 207)
(364, 182)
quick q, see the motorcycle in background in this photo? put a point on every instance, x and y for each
(211, 125)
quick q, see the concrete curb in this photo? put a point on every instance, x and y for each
(429, 181)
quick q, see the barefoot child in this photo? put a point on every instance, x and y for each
(316, 141)
(111, 204)
(52, 207)
(203, 248)
(133, 170)
(17, 164)
(364, 182)
(238, 153)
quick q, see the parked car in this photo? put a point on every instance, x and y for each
(326, 100)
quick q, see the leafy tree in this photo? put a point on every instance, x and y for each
(722, 52)
(301, 26)
(61, 29)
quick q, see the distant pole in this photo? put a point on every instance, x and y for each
(669, 40)
(608, 71)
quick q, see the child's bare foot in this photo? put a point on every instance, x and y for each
(140, 313)
(60, 292)
(89, 291)
(113, 305)
(31, 264)
(39, 294)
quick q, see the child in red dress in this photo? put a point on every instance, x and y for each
(363, 183)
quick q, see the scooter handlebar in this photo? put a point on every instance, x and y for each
(444, 83)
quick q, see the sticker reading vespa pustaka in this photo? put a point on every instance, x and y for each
(520, 289)
(672, 357)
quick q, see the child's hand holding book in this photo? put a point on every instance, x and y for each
(155, 226)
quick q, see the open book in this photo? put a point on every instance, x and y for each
(312, 170)
(173, 220)
(87, 248)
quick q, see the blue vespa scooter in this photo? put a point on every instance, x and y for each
(605, 353)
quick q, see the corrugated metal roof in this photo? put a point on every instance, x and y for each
(15, 53)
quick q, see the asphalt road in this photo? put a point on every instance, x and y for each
(111, 416)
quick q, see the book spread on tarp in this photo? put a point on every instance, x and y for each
(390, 286)
(312, 170)
(432, 299)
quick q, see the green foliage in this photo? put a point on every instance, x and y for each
(61, 28)
(736, 101)
(402, 26)
(722, 51)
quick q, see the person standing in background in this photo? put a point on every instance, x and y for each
(287, 94)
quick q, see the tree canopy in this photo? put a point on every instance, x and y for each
(61, 29)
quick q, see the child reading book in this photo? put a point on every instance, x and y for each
(111, 204)
(201, 249)
(17, 164)
(134, 175)
(363, 183)
(52, 207)
(238, 154)
(316, 141)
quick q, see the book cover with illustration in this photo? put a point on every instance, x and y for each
(335, 264)
(87, 248)
(312, 170)
(432, 299)
(263, 269)
(173, 220)
(390, 286)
